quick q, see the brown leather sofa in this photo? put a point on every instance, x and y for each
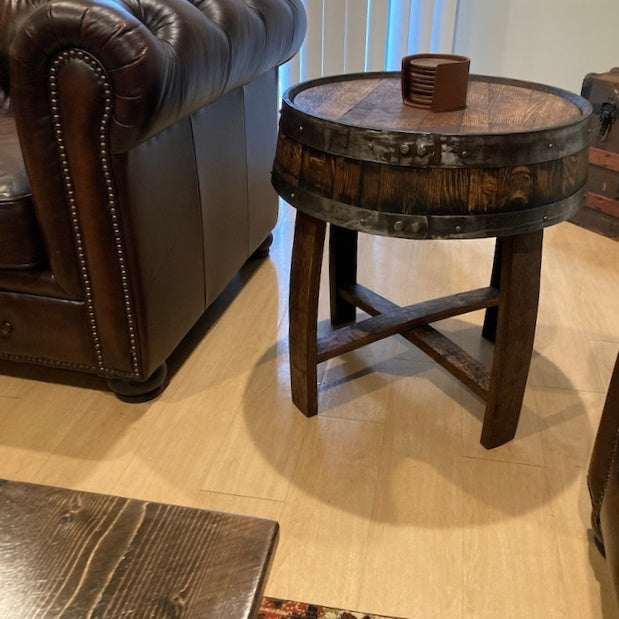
(136, 139)
(603, 480)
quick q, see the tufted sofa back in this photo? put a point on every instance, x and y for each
(134, 171)
(158, 50)
(12, 14)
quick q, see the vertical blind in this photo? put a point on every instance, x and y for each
(347, 36)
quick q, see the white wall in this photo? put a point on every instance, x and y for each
(556, 42)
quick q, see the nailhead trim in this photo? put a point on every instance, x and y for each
(67, 365)
(104, 82)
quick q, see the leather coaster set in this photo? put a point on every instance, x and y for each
(436, 82)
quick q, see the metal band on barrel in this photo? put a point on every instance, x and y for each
(479, 225)
(425, 149)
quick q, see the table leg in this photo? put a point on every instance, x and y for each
(490, 319)
(520, 263)
(307, 250)
(342, 272)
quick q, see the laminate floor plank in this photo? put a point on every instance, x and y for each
(35, 424)
(511, 557)
(415, 534)
(327, 513)
(386, 501)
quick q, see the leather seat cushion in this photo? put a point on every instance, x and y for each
(20, 240)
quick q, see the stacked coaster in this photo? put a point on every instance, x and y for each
(436, 82)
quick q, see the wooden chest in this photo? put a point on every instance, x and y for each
(601, 211)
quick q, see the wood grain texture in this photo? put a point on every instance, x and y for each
(492, 313)
(601, 212)
(352, 140)
(309, 238)
(398, 320)
(447, 353)
(322, 153)
(342, 273)
(604, 181)
(471, 372)
(596, 220)
(521, 261)
(513, 296)
(429, 190)
(77, 554)
(603, 204)
(604, 159)
(377, 103)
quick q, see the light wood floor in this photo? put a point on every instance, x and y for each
(387, 502)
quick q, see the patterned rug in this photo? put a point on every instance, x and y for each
(285, 609)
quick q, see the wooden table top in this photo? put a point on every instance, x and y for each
(492, 106)
(76, 554)
(352, 153)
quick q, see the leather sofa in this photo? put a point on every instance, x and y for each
(136, 140)
(603, 480)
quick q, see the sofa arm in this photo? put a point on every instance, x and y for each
(92, 79)
(164, 59)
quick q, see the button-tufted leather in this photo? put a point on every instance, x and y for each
(14, 182)
(139, 184)
(20, 243)
(166, 58)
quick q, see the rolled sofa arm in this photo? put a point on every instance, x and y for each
(92, 79)
(164, 58)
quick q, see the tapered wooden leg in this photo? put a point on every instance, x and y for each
(307, 249)
(342, 272)
(521, 258)
(490, 320)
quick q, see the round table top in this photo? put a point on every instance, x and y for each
(375, 102)
(351, 152)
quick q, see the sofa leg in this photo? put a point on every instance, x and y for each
(263, 249)
(134, 391)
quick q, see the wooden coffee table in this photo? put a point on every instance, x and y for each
(76, 554)
(352, 155)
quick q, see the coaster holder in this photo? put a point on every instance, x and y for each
(449, 87)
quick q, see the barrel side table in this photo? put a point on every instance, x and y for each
(352, 156)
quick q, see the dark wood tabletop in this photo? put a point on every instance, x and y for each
(493, 106)
(76, 554)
